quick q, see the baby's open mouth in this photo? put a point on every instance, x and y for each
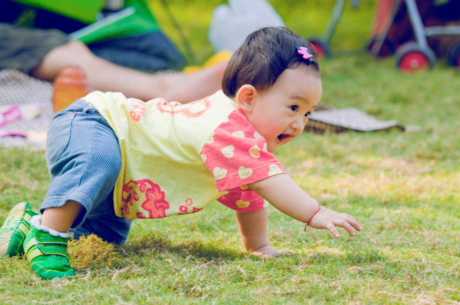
(283, 136)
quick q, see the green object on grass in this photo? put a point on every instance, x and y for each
(15, 229)
(82, 10)
(135, 18)
(47, 254)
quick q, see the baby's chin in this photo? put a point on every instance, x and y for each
(272, 147)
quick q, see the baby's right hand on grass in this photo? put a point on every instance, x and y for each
(328, 219)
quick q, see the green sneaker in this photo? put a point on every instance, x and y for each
(15, 229)
(47, 254)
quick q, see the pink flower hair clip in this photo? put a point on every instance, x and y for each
(304, 52)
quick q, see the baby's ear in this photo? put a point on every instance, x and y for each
(245, 97)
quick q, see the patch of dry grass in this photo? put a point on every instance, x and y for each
(91, 252)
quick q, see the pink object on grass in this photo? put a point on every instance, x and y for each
(11, 114)
(6, 133)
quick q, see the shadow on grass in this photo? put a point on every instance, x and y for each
(345, 255)
(211, 250)
(156, 244)
(161, 243)
(363, 256)
(93, 253)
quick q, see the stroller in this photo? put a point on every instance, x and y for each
(418, 55)
(410, 56)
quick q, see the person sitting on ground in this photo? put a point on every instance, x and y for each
(44, 53)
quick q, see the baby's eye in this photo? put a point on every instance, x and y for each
(294, 108)
(307, 114)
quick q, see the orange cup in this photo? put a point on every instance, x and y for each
(69, 86)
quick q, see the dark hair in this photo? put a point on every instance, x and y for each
(263, 56)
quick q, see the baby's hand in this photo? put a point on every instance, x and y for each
(270, 252)
(328, 219)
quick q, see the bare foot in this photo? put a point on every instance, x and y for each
(270, 252)
(185, 88)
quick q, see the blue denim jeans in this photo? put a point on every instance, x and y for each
(84, 161)
(149, 52)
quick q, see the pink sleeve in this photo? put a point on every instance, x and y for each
(243, 199)
(236, 154)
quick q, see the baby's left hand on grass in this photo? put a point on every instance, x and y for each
(270, 252)
(328, 219)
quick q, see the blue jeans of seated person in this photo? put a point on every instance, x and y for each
(84, 161)
(148, 52)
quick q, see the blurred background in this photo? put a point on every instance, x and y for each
(307, 18)
(179, 35)
(346, 26)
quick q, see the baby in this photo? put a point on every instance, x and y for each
(113, 159)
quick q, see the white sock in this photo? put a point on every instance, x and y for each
(36, 221)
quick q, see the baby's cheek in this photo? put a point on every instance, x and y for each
(271, 134)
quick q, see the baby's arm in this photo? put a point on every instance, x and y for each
(253, 229)
(285, 195)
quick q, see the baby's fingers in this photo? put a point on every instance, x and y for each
(344, 224)
(330, 226)
(352, 221)
(341, 223)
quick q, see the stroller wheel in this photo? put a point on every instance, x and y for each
(411, 57)
(321, 47)
(453, 55)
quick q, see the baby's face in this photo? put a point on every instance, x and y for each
(280, 113)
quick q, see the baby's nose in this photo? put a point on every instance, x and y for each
(298, 124)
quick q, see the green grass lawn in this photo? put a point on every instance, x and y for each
(402, 187)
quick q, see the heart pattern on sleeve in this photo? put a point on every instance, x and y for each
(238, 134)
(254, 151)
(219, 173)
(236, 155)
(228, 151)
(244, 172)
(274, 170)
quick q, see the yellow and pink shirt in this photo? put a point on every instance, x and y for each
(177, 159)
